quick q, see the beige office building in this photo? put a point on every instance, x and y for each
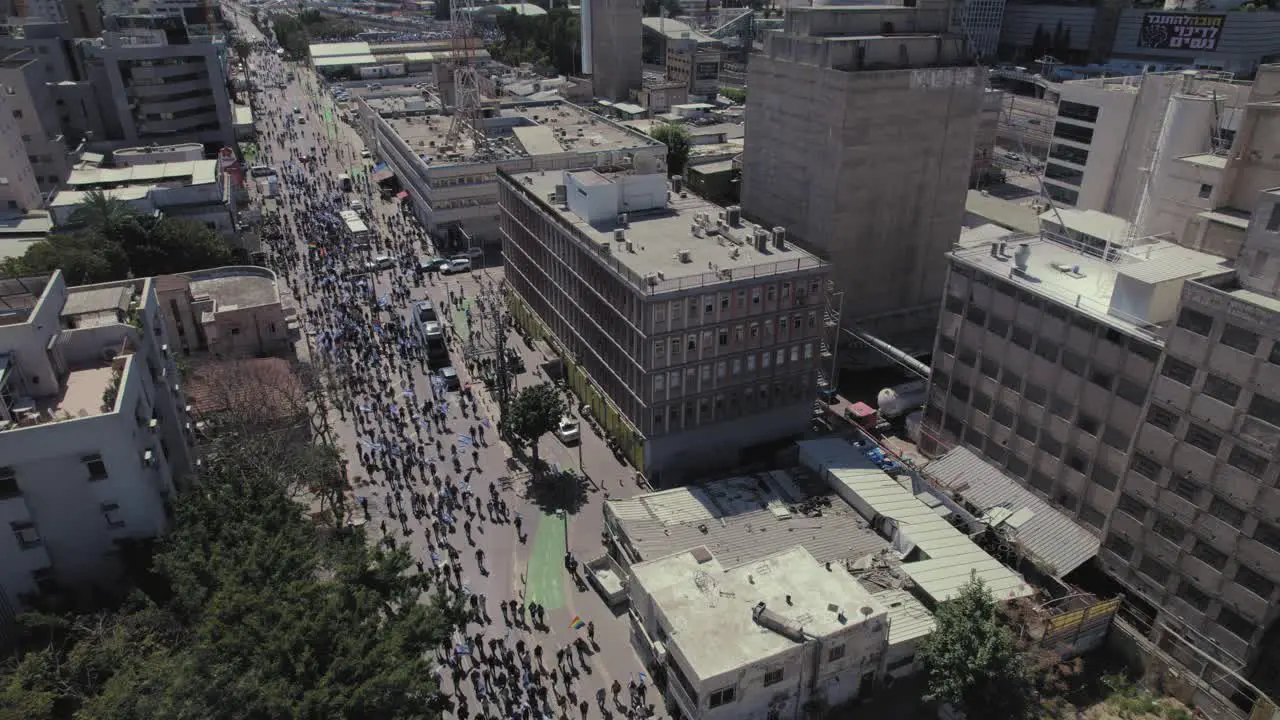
(694, 336)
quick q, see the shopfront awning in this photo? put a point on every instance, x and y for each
(402, 195)
(381, 176)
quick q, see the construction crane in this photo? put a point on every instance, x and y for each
(467, 114)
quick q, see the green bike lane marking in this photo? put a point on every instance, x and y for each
(546, 562)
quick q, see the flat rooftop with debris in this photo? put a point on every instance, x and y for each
(663, 242)
(513, 132)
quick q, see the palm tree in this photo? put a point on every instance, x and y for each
(103, 214)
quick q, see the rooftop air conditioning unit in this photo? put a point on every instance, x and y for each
(605, 248)
(623, 220)
(651, 278)
(631, 247)
(762, 239)
(733, 215)
(780, 237)
(619, 235)
(685, 256)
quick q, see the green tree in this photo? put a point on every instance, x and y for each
(676, 138)
(242, 49)
(161, 246)
(83, 258)
(735, 94)
(103, 214)
(535, 412)
(972, 660)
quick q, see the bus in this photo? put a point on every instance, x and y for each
(354, 226)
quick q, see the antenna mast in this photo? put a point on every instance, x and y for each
(466, 81)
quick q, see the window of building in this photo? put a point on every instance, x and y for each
(1184, 488)
(722, 697)
(1211, 555)
(1101, 378)
(659, 312)
(111, 513)
(1226, 512)
(1236, 624)
(736, 366)
(755, 296)
(1240, 339)
(1131, 505)
(1255, 582)
(1087, 423)
(1205, 190)
(724, 302)
(1119, 546)
(722, 337)
(989, 367)
(998, 325)
(742, 299)
(1268, 535)
(97, 469)
(1104, 478)
(9, 483)
(1220, 389)
(947, 345)
(754, 331)
(1069, 153)
(1154, 569)
(1178, 371)
(780, 357)
(1273, 220)
(1065, 196)
(1022, 337)
(1202, 438)
(1063, 173)
(1195, 321)
(1244, 460)
(771, 293)
(982, 402)
(1115, 437)
(17, 114)
(709, 305)
(1192, 595)
(773, 677)
(1047, 349)
(26, 535)
(1036, 394)
(835, 653)
(1265, 409)
(675, 347)
(1077, 111)
(691, 343)
(1144, 466)
(1011, 380)
(659, 383)
(1003, 415)
(1092, 517)
(764, 359)
(976, 315)
(1073, 361)
(1075, 133)
(722, 368)
(737, 333)
(1170, 529)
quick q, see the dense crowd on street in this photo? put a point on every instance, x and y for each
(417, 469)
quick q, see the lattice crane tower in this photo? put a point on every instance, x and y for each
(466, 81)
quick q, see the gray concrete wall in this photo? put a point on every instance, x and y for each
(616, 42)
(869, 168)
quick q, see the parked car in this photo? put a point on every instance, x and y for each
(261, 171)
(424, 312)
(366, 154)
(438, 264)
(357, 205)
(384, 262)
(450, 377)
(471, 253)
(457, 265)
(568, 431)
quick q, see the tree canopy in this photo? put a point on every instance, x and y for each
(676, 138)
(550, 42)
(535, 412)
(250, 611)
(972, 660)
(295, 33)
(111, 241)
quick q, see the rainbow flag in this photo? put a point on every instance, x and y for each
(577, 623)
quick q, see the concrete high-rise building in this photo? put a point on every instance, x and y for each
(862, 123)
(33, 106)
(693, 335)
(613, 30)
(19, 190)
(1140, 394)
(159, 82)
(1182, 153)
(83, 16)
(93, 436)
(980, 22)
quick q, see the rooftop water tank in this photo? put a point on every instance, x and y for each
(901, 399)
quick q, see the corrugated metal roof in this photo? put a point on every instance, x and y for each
(909, 619)
(743, 519)
(1053, 539)
(952, 556)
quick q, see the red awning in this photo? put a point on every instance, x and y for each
(402, 195)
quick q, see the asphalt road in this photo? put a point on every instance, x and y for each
(528, 571)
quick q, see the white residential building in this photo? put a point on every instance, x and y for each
(196, 190)
(93, 437)
(1182, 153)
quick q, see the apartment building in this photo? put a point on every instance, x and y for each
(1182, 153)
(189, 189)
(695, 66)
(693, 335)
(227, 312)
(453, 184)
(93, 431)
(1139, 395)
(31, 104)
(1196, 532)
(862, 124)
(19, 190)
(159, 81)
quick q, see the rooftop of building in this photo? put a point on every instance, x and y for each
(520, 131)
(663, 251)
(17, 232)
(744, 519)
(188, 172)
(673, 29)
(943, 559)
(230, 288)
(909, 619)
(710, 608)
(1005, 213)
(1088, 284)
(1055, 542)
(1093, 223)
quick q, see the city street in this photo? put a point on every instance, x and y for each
(529, 569)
